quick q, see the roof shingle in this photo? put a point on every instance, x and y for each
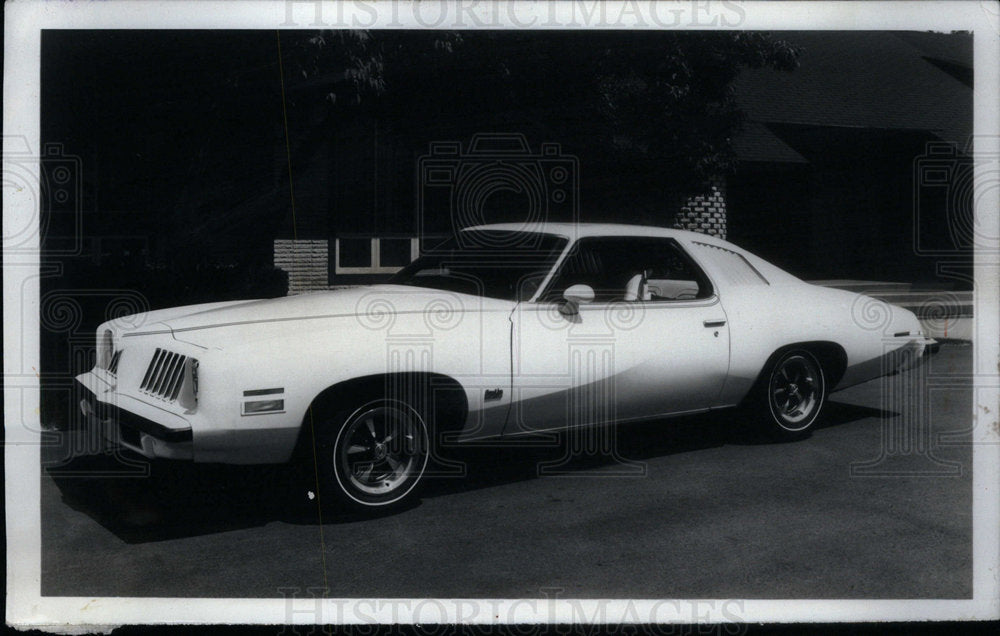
(858, 79)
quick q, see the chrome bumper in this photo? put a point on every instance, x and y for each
(915, 354)
(127, 428)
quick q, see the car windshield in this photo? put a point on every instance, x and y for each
(497, 264)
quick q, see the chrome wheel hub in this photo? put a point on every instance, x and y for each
(795, 391)
(379, 449)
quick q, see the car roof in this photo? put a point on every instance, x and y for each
(581, 230)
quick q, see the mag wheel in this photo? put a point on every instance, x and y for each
(374, 456)
(795, 392)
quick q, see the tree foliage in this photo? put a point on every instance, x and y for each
(351, 65)
(660, 101)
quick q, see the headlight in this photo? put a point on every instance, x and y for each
(105, 349)
(194, 378)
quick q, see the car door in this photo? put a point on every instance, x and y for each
(653, 340)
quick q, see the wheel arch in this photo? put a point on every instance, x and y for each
(441, 401)
(831, 356)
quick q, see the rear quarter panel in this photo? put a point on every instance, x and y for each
(764, 318)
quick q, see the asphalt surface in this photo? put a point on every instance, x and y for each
(683, 508)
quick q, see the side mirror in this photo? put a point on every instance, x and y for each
(573, 297)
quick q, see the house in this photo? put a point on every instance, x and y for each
(838, 158)
(854, 165)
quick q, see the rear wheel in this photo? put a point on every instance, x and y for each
(791, 395)
(374, 456)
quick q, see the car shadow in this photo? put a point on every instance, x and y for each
(146, 501)
(620, 448)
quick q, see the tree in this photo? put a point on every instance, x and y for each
(655, 107)
(658, 104)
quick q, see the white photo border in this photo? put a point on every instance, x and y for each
(24, 22)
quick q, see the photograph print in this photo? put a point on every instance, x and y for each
(328, 312)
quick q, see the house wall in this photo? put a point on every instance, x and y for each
(705, 211)
(846, 211)
(305, 261)
(311, 263)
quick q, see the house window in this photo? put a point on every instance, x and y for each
(395, 252)
(354, 253)
(367, 255)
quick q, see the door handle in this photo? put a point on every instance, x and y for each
(714, 323)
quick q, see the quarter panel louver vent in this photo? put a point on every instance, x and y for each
(164, 375)
(734, 266)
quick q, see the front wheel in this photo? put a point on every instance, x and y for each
(374, 456)
(794, 391)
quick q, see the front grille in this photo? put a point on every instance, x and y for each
(164, 375)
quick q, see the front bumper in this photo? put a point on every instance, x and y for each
(126, 422)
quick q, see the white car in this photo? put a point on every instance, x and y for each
(503, 330)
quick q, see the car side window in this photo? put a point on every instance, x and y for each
(623, 268)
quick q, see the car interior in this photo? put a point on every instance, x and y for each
(627, 269)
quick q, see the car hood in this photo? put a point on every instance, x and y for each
(372, 307)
